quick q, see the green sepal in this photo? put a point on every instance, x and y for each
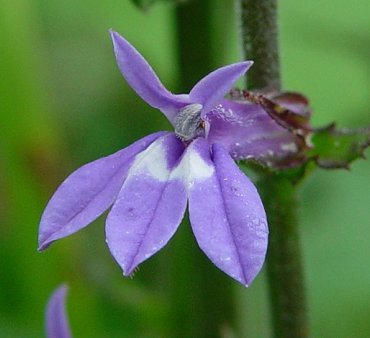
(334, 148)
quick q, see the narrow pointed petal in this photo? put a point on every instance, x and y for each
(150, 205)
(212, 88)
(227, 216)
(56, 323)
(246, 131)
(142, 79)
(87, 193)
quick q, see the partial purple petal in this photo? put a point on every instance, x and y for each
(227, 215)
(87, 193)
(212, 88)
(246, 131)
(142, 79)
(150, 205)
(56, 323)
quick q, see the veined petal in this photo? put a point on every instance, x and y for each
(246, 131)
(217, 84)
(150, 205)
(227, 216)
(56, 323)
(87, 193)
(142, 79)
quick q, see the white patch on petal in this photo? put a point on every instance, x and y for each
(192, 168)
(152, 162)
(199, 169)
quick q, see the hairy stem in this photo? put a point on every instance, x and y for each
(259, 37)
(259, 32)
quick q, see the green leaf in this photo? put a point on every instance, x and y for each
(336, 148)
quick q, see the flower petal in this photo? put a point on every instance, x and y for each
(246, 131)
(56, 323)
(87, 193)
(142, 79)
(227, 215)
(212, 88)
(150, 205)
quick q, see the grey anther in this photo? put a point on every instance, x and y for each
(188, 122)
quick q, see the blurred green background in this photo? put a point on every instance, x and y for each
(63, 103)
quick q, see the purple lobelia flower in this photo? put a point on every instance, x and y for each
(150, 182)
(56, 324)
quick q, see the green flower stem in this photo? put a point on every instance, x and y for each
(202, 297)
(284, 268)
